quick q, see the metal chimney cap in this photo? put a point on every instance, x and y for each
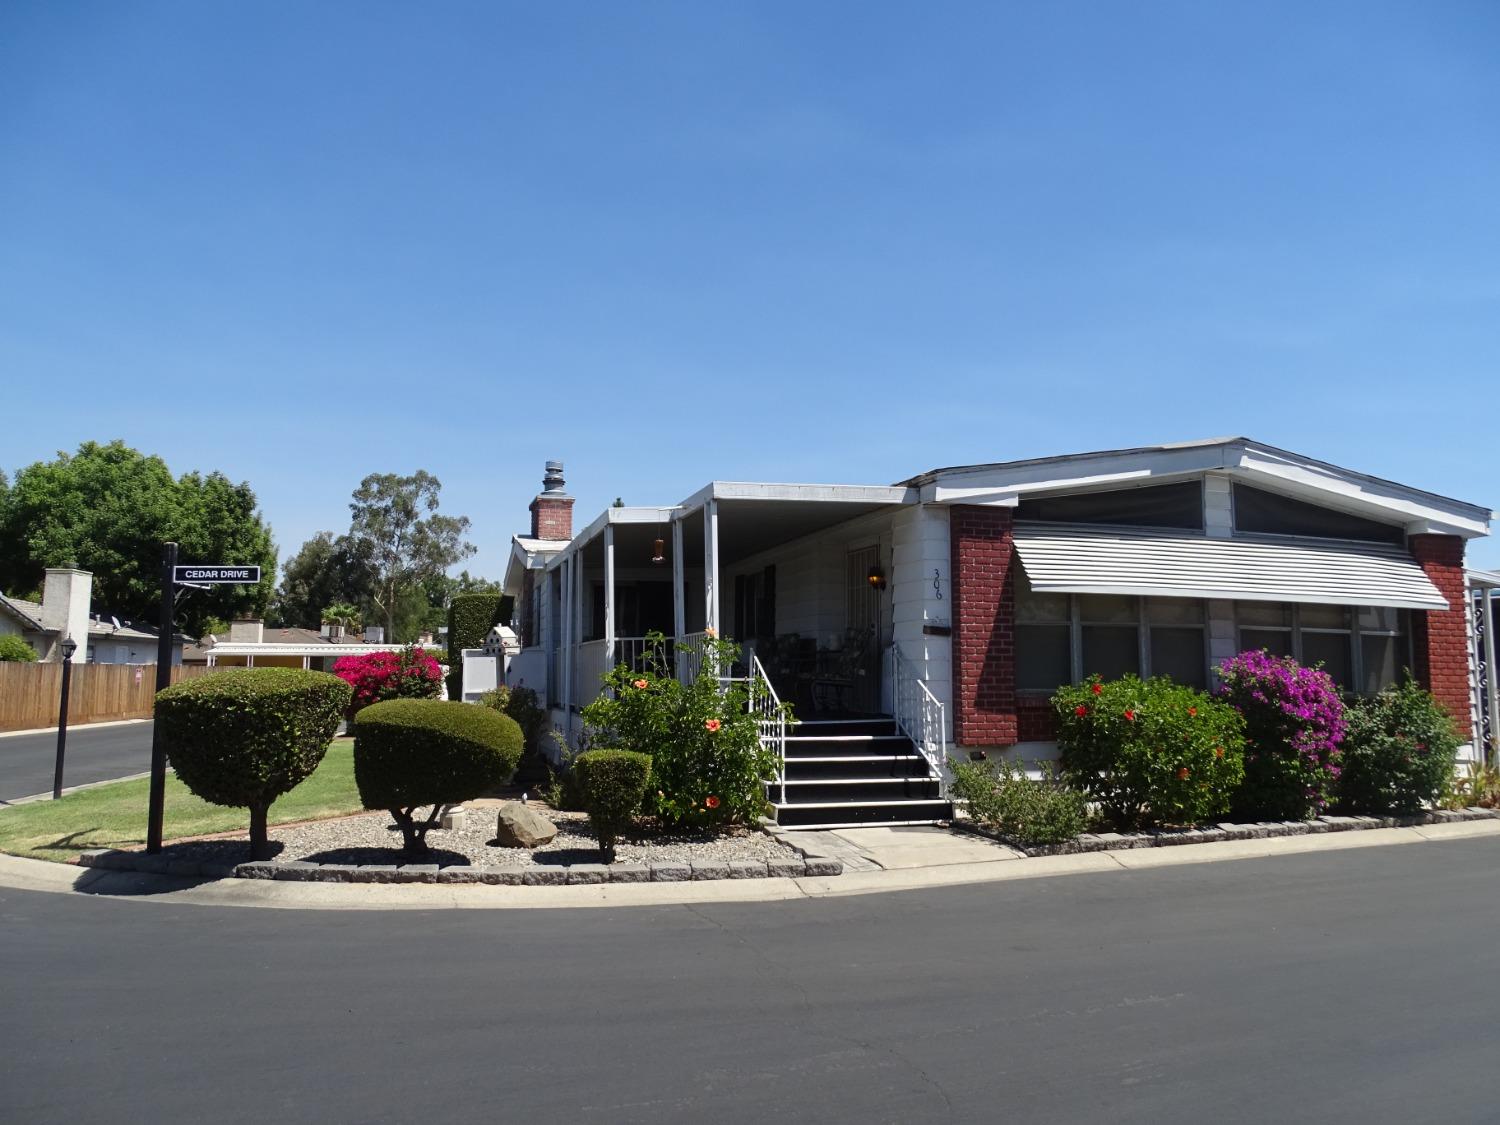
(553, 480)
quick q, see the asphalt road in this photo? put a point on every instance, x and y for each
(93, 754)
(1349, 986)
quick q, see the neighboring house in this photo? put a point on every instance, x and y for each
(249, 644)
(944, 610)
(64, 612)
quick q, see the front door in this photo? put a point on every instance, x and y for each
(862, 614)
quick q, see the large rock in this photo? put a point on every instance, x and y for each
(521, 827)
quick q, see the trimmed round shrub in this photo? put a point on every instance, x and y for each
(243, 738)
(1150, 752)
(1399, 752)
(15, 650)
(1294, 725)
(613, 784)
(411, 753)
(999, 796)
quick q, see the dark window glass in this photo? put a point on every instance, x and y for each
(1273, 514)
(1333, 651)
(1161, 505)
(1384, 657)
(1178, 652)
(1111, 650)
(1042, 657)
(1278, 642)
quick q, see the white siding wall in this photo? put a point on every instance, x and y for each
(920, 554)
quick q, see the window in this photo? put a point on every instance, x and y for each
(1063, 638)
(1364, 649)
(1161, 505)
(1270, 513)
(1044, 626)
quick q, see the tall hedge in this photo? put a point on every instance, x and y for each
(470, 619)
(243, 738)
(409, 753)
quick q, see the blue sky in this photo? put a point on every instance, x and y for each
(672, 242)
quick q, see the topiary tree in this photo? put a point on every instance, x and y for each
(1294, 725)
(14, 650)
(1149, 751)
(613, 783)
(411, 753)
(1398, 752)
(243, 738)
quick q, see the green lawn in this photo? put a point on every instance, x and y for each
(114, 816)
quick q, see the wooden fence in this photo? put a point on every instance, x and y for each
(29, 693)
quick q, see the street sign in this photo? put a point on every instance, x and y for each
(217, 575)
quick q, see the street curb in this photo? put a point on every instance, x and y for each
(1256, 830)
(809, 864)
(72, 726)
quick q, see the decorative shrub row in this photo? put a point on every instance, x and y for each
(412, 753)
(1277, 742)
(613, 783)
(243, 738)
(410, 673)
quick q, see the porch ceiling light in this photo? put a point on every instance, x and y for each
(659, 553)
(876, 578)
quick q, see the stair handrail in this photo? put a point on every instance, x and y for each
(920, 715)
(770, 718)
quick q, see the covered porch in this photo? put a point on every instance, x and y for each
(800, 576)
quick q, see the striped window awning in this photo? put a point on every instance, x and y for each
(1082, 560)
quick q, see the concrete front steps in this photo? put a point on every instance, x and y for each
(846, 773)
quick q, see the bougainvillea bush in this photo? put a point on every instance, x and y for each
(1149, 752)
(411, 673)
(1399, 752)
(1294, 726)
(708, 767)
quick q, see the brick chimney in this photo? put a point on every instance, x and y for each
(552, 510)
(66, 591)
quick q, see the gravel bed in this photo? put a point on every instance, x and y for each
(372, 838)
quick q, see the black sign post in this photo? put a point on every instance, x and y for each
(173, 576)
(156, 806)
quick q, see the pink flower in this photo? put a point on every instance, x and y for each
(712, 725)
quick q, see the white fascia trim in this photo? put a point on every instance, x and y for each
(1421, 512)
(641, 515)
(808, 493)
(247, 648)
(1483, 579)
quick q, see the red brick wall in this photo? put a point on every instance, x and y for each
(1036, 721)
(1440, 638)
(984, 655)
(552, 517)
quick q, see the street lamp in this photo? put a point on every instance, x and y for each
(68, 647)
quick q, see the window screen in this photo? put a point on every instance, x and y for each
(1270, 513)
(1161, 505)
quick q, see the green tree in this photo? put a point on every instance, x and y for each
(325, 571)
(397, 527)
(108, 508)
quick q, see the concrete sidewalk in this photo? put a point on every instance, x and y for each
(919, 860)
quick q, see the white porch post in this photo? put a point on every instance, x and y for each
(306, 663)
(1491, 674)
(609, 595)
(679, 576)
(711, 564)
(565, 650)
(250, 660)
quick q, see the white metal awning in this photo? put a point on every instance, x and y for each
(1079, 560)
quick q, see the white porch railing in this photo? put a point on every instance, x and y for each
(689, 656)
(919, 715)
(765, 705)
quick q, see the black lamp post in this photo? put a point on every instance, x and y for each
(69, 646)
